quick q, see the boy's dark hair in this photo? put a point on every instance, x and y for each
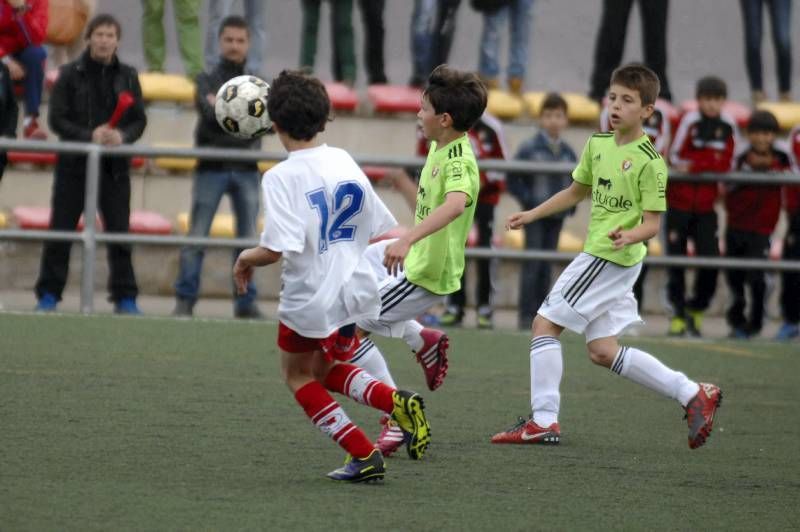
(763, 121)
(554, 101)
(298, 104)
(711, 87)
(102, 19)
(233, 21)
(638, 78)
(462, 95)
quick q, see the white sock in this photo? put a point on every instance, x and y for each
(369, 357)
(546, 369)
(411, 335)
(645, 369)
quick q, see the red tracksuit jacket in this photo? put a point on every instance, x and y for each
(18, 30)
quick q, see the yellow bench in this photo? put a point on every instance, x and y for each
(223, 226)
(158, 86)
(503, 105)
(580, 108)
(3, 220)
(787, 113)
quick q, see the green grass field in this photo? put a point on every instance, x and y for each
(112, 423)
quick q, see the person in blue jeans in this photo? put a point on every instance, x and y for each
(533, 189)
(433, 25)
(517, 13)
(780, 13)
(255, 13)
(214, 178)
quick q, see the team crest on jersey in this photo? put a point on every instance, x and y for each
(626, 165)
(435, 171)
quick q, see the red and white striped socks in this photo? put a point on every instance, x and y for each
(359, 385)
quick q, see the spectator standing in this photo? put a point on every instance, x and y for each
(433, 25)
(496, 13)
(254, 13)
(790, 280)
(531, 190)
(187, 22)
(486, 137)
(610, 42)
(704, 142)
(344, 57)
(23, 25)
(780, 14)
(239, 179)
(8, 112)
(82, 101)
(374, 31)
(753, 211)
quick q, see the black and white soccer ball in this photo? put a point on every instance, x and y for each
(241, 107)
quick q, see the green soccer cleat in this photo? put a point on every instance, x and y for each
(677, 327)
(369, 469)
(409, 413)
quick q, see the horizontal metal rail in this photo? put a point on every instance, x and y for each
(89, 237)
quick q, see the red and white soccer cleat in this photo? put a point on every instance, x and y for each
(525, 431)
(391, 437)
(700, 413)
(433, 356)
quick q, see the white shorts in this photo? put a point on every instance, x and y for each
(401, 300)
(593, 297)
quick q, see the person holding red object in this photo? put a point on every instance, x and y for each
(23, 26)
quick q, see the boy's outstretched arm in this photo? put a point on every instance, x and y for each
(454, 204)
(566, 199)
(247, 261)
(651, 222)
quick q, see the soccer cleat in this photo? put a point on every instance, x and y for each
(369, 469)
(127, 305)
(451, 318)
(485, 322)
(677, 327)
(694, 323)
(787, 332)
(46, 303)
(433, 356)
(391, 437)
(184, 308)
(700, 413)
(409, 413)
(525, 431)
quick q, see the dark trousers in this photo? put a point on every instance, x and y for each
(744, 244)
(790, 281)
(610, 43)
(67, 207)
(780, 14)
(702, 228)
(484, 219)
(535, 277)
(344, 59)
(372, 16)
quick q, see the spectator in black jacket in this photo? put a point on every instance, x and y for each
(81, 104)
(8, 111)
(239, 179)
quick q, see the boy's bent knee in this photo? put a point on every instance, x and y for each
(543, 327)
(602, 352)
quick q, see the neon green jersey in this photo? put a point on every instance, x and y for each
(436, 262)
(626, 181)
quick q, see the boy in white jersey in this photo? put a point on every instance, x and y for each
(626, 179)
(320, 213)
(417, 270)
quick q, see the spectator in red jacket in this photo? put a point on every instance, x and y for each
(23, 25)
(704, 143)
(790, 281)
(753, 211)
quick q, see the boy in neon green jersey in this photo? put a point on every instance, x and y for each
(626, 179)
(417, 270)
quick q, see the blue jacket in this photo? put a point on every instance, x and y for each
(531, 189)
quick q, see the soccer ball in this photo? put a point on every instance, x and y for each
(241, 107)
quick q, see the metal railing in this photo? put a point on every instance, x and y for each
(90, 237)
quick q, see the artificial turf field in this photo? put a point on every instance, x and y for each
(124, 423)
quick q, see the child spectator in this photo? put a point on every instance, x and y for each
(790, 280)
(753, 211)
(23, 24)
(705, 142)
(532, 189)
(487, 141)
